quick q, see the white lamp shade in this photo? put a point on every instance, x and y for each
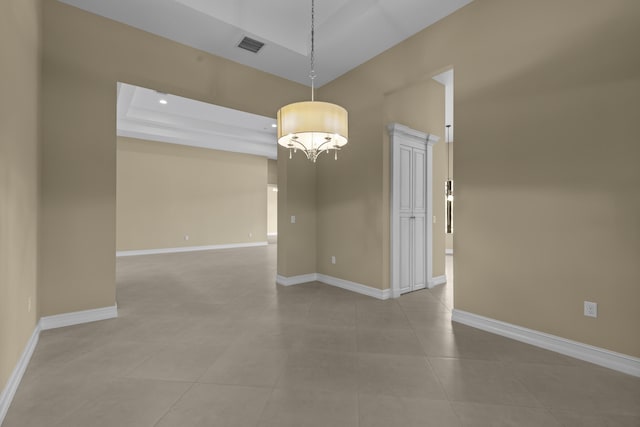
(312, 126)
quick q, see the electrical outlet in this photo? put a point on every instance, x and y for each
(250, 235)
(186, 237)
(333, 259)
(293, 219)
(29, 305)
(434, 219)
(590, 309)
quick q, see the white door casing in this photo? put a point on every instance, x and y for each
(411, 208)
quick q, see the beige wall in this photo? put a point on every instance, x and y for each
(272, 196)
(166, 192)
(547, 206)
(272, 172)
(84, 56)
(296, 197)
(20, 41)
(272, 209)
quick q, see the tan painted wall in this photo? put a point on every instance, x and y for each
(84, 56)
(272, 197)
(296, 197)
(272, 172)
(20, 44)
(547, 207)
(272, 209)
(167, 191)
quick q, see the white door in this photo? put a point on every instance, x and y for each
(411, 205)
(419, 218)
(412, 218)
(406, 220)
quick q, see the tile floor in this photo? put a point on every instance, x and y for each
(208, 339)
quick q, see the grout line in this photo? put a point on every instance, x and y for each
(174, 404)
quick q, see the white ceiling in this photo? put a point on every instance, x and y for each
(348, 32)
(188, 122)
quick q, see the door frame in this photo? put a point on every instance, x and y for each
(401, 134)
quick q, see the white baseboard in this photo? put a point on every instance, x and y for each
(296, 280)
(448, 252)
(355, 287)
(16, 376)
(334, 281)
(78, 317)
(189, 249)
(436, 281)
(599, 356)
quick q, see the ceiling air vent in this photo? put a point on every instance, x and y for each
(250, 44)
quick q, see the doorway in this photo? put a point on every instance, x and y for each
(411, 209)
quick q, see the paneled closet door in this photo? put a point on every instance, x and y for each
(418, 255)
(412, 219)
(411, 199)
(406, 221)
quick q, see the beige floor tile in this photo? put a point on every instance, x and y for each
(575, 419)
(247, 365)
(288, 312)
(273, 335)
(180, 362)
(333, 310)
(398, 375)
(251, 352)
(480, 381)
(207, 405)
(421, 300)
(320, 370)
(389, 341)
(372, 305)
(457, 342)
(292, 408)
(54, 353)
(383, 319)
(113, 359)
(482, 415)
(46, 399)
(325, 338)
(385, 411)
(429, 318)
(320, 316)
(127, 402)
(587, 390)
(514, 351)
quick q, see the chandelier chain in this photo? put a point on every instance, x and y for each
(312, 73)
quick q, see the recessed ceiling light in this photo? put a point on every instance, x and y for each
(163, 101)
(274, 125)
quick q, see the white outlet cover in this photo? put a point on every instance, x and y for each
(590, 309)
(293, 219)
